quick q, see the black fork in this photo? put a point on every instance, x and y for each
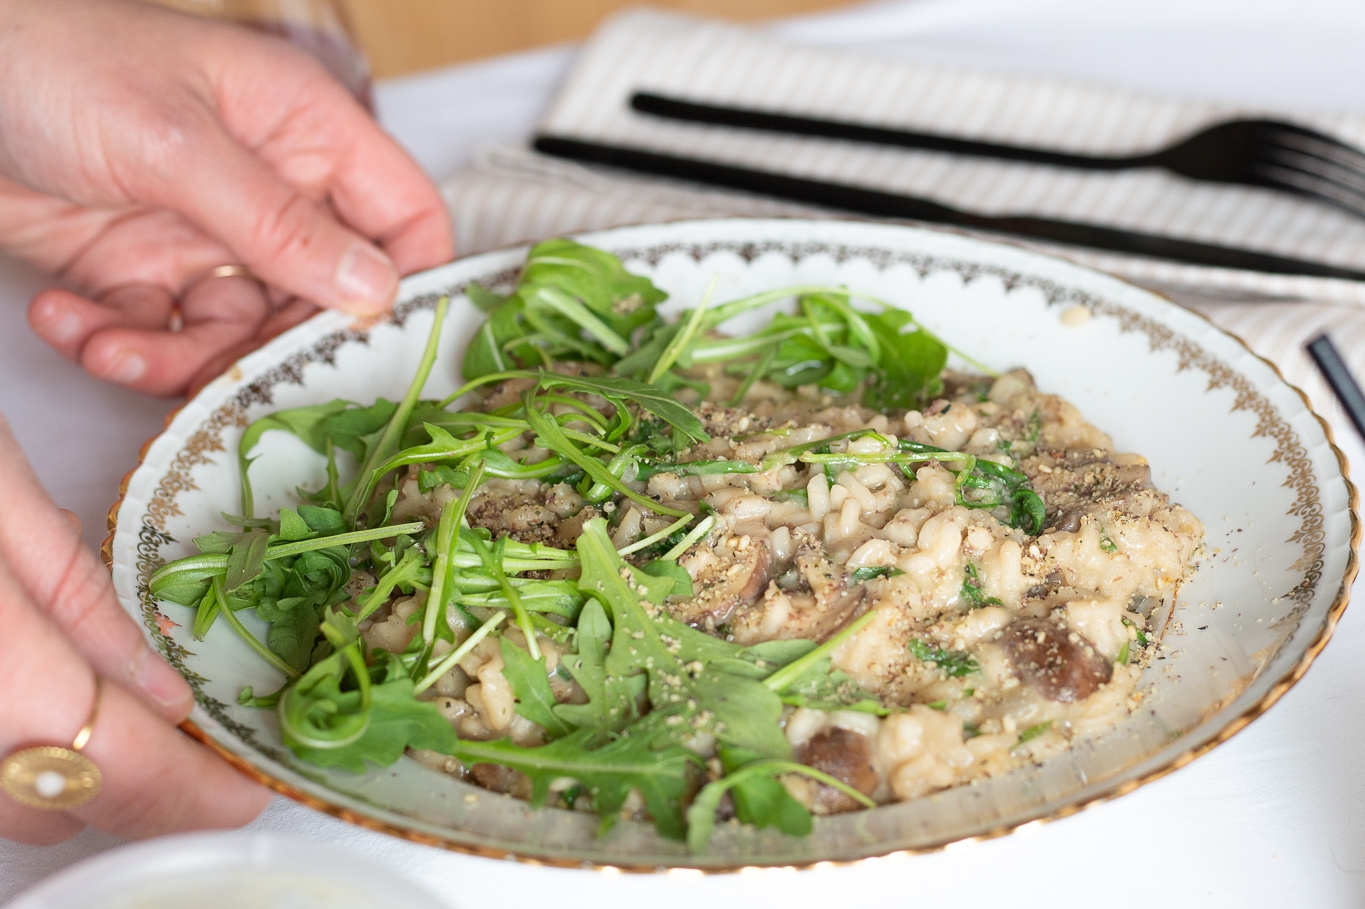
(1265, 153)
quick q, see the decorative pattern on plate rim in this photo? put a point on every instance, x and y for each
(1289, 450)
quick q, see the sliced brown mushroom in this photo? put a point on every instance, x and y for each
(814, 616)
(1056, 662)
(759, 574)
(1069, 521)
(1048, 587)
(723, 580)
(501, 779)
(844, 755)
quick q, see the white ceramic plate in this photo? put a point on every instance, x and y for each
(236, 870)
(1225, 435)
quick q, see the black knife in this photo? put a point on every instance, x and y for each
(894, 205)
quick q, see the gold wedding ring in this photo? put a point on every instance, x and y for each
(228, 271)
(220, 271)
(177, 318)
(51, 777)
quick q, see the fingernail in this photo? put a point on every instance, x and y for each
(366, 280)
(161, 683)
(59, 325)
(125, 368)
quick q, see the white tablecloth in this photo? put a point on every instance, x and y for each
(1272, 818)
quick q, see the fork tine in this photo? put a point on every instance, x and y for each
(1317, 144)
(1340, 163)
(1349, 179)
(1314, 164)
(1323, 155)
(1312, 185)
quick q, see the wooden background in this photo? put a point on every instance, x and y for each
(406, 36)
(403, 36)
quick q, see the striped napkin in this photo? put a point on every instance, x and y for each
(511, 195)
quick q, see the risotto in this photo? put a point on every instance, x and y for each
(988, 646)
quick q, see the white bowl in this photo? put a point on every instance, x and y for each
(225, 871)
(1225, 435)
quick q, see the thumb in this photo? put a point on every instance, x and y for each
(287, 239)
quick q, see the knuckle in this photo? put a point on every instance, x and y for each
(285, 232)
(80, 592)
(167, 141)
(170, 140)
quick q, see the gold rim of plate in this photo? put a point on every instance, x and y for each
(1233, 726)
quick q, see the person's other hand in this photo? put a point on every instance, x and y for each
(140, 148)
(62, 627)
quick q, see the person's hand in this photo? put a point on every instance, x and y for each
(141, 148)
(62, 626)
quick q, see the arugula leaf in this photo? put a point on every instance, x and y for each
(531, 686)
(488, 349)
(908, 371)
(737, 710)
(648, 397)
(971, 589)
(1027, 510)
(315, 569)
(608, 773)
(656, 435)
(595, 277)
(294, 625)
(760, 799)
(752, 779)
(293, 528)
(555, 597)
(345, 424)
(320, 520)
(291, 595)
(822, 687)
(178, 575)
(442, 475)
(386, 440)
(570, 300)
(980, 483)
(246, 557)
(880, 571)
(406, 571)
(668, 568)
(1033, 732)
(246, 551)
(952, 663)
(552, 436)
(442, 548)
(611, 698)
(393, 720)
